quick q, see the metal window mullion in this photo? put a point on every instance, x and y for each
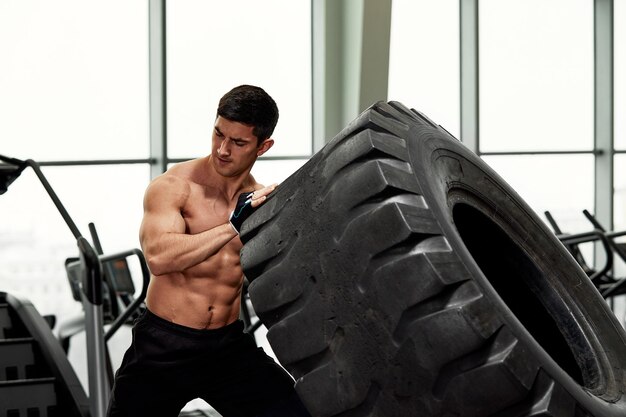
(318, 73)
(374, 59)
(603, 110)
(468, 21)
(603, 115)
(158, 101)
(327, 39)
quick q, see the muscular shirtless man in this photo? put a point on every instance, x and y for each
(190, 343)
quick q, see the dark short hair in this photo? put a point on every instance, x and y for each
(251, 106)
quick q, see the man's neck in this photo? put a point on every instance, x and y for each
(229, 186)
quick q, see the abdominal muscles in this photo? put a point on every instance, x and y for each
(206, 296)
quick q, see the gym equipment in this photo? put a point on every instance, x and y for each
(35, 377)
(618, 286)
(118, 289)
(9, 172)
(399, 275)
(119, 306)
(91, 277)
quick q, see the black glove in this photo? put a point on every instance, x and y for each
(242, 211)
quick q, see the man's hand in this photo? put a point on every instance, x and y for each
(259, 196)
(247, 204)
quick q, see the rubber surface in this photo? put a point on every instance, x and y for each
(400, 276)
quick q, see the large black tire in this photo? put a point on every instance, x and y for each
(400, 276)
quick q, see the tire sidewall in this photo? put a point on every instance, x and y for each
(443, 166)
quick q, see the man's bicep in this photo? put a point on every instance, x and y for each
(162, 212)
(156, 223)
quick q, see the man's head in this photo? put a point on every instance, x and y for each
(251, 106)
(246, 118)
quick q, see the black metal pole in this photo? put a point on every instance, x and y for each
(55, 199)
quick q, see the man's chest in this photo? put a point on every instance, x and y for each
(205, 210)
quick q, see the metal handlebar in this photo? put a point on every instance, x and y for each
(145, 273)
(591, 236)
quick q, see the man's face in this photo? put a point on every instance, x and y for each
(235, 147)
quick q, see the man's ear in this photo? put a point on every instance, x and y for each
(265, 146)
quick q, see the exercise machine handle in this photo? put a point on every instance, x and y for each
(145, 273)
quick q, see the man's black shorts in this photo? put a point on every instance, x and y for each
(168, 365)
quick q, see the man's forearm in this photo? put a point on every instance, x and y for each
(176, 252)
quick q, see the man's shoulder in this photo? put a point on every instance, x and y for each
(180, 173)
(185, 168)
(170, 178)
(166, 190)
(170, 182)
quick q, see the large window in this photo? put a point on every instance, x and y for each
(213, 46)
(536, 75)
(73, 81)
(73, 86)
(424, 59)
(536, 95)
